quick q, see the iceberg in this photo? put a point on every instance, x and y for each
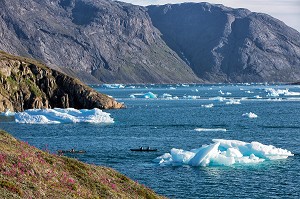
(223, 153)
(113, 86)
(250, 115)
(207, 105)
(280, 92)
(58, 116)
(148, 95)
(7, 113)
(210, 130)
(233, 101)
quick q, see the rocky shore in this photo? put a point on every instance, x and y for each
(27, 84)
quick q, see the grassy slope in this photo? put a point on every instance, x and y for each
(27, 172)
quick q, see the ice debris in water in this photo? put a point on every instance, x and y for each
(223, 153)
(210, 130)
(58, 115)
(207, 105)
(113, 86)
(280, 92)
(7, 113)
(148, 95)
(233, 101)
(250, 115)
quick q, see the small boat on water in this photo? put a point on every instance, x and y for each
(70, 151)
(148, 149)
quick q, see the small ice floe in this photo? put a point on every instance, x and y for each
(257, 97)
(193, 97)
(223, 153)
(220, 99)
(207, 105)
(210, 130)
(250, 92)
(280, 92)
(7, 113)
(233, 101)
(113, 86)
(250, 115)
(148, 95)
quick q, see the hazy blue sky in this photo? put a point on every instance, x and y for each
(287, 11)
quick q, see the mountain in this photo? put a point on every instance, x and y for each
(114, 42)
(96, 41)
(222, 44)
(27, 172)
(28, 84)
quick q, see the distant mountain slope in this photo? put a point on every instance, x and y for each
(101, 41)
(230, 45)
(27, 84)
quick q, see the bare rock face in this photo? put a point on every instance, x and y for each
(222, 44)
(27, 84)
(96, 41)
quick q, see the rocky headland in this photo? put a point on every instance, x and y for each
(27, 84)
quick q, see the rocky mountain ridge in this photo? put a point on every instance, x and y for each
(27, 84)
(114, 42)
(97, 41)
(222, 44)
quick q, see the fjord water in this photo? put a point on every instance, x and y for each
(169, 121)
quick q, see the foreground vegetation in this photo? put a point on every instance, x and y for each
(27, 172)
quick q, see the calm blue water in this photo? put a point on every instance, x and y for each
(166, 124)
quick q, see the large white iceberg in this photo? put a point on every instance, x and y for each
(58, 115)
(223, 153)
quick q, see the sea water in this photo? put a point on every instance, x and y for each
(186, 117)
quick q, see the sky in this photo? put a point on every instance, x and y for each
(287, 11)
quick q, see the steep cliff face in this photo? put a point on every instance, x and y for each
(230, 45)
(97, 41)
(27, 84)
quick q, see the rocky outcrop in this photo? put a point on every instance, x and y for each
(96, 41)
(222, 44)
(26, 84)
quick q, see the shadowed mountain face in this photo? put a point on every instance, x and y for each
(97, 41)
(115, 42)
(229, 45)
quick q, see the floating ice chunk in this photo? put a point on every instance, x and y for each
(250, 115)
(207, 105)
(223, 152)
(233, 101)
(57, 116)
(114, 86)
(167, 96)
(185, 85)
(257, 97)
(191, 97)
(210, 130)
(172, 88)
(221, 92)
(280, 92)
(7, 113)
(249, 92)
(148, 95)
(220, 99)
